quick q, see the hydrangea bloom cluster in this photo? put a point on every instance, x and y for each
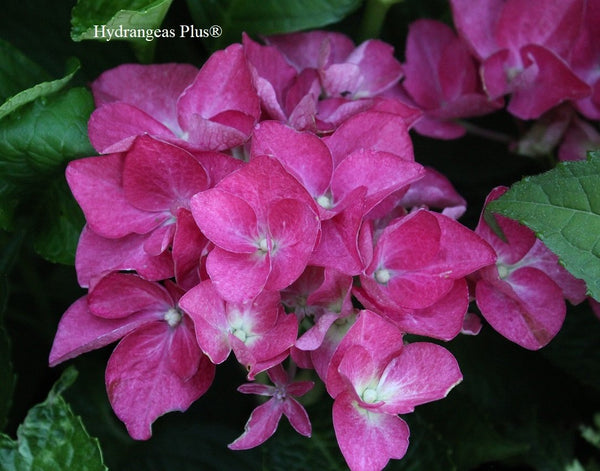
(269, 205)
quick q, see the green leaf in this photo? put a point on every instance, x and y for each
(562, 206)
(36, 141)
(60, 224)
(45, 135)
(39, 90)
(17, 72)
(268, 16)
(93, 19)
(52, 438)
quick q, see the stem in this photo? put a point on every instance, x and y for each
(485, 133)
(373, 18)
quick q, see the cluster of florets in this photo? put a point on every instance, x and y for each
(270, 204)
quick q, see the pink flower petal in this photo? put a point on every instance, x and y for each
(260, 426)
(161, 177)
(423, 372)
(227, 220)
(96, 256)
(223, 85)
(207, 311)
(304, 155)
(79, 331)
(530, 311)
(368, 440)
(113, 127)
(118, 295)
(141, 383)
(96, 185)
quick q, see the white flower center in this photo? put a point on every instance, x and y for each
(369, 395)
(382, 275)
(503, 271)
(325, 201)
(173, 317)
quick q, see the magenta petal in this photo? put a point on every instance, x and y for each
(207, 310)
(294, 228)
(189, 245)
(379, 68)
(227, 220)
(367, 439)
(161, 177)
(371, 130)
(442, 320)
(141, 383)
(304, 155)
(553, 83)
(238, 277)
(79, 331)
(313, 48)
(185, 355)
(529, 312)
(114, 126)
(380, 337)
(381, 173)
(96, 185)
(98, 255)
(152, 88)
(422, 373)
(476, 23)
(260, 426)
(297, 416)
(224, 84)
(119, 295)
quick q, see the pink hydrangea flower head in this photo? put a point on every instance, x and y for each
(264, 419)
(528, 51)
(523, 295)
(214, 109)
(157, 367)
